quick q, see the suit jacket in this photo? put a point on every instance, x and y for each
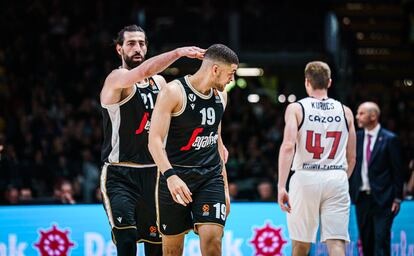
(385, 172)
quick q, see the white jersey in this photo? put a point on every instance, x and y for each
(322, 136)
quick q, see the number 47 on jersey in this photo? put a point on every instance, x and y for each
(314, 145)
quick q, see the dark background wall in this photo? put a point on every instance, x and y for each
(55, 54)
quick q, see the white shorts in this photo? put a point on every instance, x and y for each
(319, 195)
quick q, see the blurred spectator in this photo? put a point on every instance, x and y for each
(25, 195)
(98, 196)
(266, 191)
(233, 191)
(409, 188)
(90, 176)
(67, 194)
(3, 176)
(63, 192)
(12, 195)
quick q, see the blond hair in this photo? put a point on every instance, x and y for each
(318, 74)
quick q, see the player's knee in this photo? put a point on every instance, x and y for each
(125, 237)
(300, 248)
(211, 245)
(336, 247)
(172, 250)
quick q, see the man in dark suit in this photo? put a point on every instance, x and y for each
(376, 184)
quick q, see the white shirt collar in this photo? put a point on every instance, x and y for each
(373, 132)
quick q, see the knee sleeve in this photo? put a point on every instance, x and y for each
(126, 241)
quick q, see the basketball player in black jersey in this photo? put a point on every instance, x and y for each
(191, 187)
(129, 174)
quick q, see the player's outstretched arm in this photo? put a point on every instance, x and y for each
(124, 78)
(351, 144)
(293, 116)
(167, 101)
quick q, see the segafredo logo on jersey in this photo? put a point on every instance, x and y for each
(144, 125)
(268, 240)
(54, 242)
(198, 142)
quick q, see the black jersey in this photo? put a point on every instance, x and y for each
(126, 125)
(193, 134)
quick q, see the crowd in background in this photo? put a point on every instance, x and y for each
(52, 67)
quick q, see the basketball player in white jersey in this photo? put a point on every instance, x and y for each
(319, 138)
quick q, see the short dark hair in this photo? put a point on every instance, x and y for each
(130, 28)
(222, 53)
(318, 73)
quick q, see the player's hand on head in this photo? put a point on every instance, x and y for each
(179, 190)
(192, 52)
(283, 200)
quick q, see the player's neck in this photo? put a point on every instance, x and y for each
(200, 82)
(124, 65)
(319, 94)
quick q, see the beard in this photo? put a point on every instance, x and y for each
(218, 86)
(131, 63)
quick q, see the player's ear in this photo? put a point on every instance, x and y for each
(215, 69)
(329, 82)
(119, 49)
(307, 83)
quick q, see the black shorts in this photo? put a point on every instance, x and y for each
(209, 204)
(129, 199)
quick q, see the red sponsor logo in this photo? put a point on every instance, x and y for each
(143, 123)
(268, 241)
(192, 139)
(54, 242)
